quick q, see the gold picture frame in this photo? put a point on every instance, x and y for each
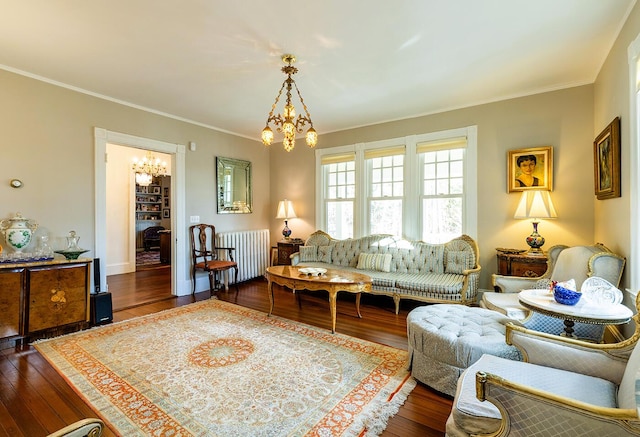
(530, 169)
(606, 159)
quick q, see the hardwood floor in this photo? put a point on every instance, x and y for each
(35, 400)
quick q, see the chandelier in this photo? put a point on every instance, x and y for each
(285, 123)
(148, 168)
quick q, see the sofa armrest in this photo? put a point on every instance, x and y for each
(518, 403)
(295, 258)
(606, 361)
(514, 284)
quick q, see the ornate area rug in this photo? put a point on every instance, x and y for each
(148, 258)
(217, 369)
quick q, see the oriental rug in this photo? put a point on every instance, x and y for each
(213, 368)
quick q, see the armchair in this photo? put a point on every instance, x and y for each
(566, 387)
(564, 263)
(81, 428)
(151, 237)
(205, 256)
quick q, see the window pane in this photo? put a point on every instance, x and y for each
(456, 169)
(456, 186)
(340, 219)
(385, 217)
(442, 219)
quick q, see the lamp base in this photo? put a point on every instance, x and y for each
(286, 232)
(535, 241)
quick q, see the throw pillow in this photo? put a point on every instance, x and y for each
(308, 253)
(457, 261)
(380, 262)
(324, 254)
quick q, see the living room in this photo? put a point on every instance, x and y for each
(56, 125)
(49, 133)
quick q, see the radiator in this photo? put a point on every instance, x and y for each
(252, 251)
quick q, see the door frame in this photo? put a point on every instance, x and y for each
(180, 285)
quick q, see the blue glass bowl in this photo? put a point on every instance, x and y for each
(565, 296)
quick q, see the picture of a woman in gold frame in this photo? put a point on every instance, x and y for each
(530, 169)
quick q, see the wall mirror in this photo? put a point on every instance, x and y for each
(234, 186)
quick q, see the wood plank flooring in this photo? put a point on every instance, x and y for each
(35, 400)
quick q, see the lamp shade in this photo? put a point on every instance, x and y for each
(285, 210)
(535, 204)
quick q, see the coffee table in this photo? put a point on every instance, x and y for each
(333, 281)
(542, 301)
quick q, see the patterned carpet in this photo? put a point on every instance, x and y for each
(216, 369)
(146, 258)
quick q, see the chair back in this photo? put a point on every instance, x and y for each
(627, 389)
(203, 242)
(582, 262)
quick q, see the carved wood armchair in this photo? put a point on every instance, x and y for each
(566, 387)
(205, 256)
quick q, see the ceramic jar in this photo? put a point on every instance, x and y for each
(18, 231)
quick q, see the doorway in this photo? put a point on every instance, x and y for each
(179, 283)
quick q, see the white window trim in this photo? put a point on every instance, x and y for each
(633, 53)
(411, 227)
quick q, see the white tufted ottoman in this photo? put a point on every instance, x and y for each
(445, 339)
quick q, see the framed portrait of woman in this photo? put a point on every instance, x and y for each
(530, 169)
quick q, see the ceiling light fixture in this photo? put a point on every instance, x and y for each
(285, 123)
(148, 168)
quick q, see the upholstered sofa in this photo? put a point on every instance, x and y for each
(400, 268)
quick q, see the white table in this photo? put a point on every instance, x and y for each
(542, 301)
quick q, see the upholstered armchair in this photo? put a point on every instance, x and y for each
(564, 263)
(565, 387)
(82, 428)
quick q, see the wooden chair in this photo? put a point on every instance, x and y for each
(206, 256)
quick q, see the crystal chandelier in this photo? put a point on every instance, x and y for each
(148, 168)
(285, 123)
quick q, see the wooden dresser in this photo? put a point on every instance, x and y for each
(43, 299)
(521, 264)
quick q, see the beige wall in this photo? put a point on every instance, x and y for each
(47, 142)
(562, 119)
(612, 99)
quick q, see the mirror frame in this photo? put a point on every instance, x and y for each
(239, 204)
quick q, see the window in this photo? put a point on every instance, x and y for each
(421, 187)
(385, 170)
(442, 193)
(633, 53)
(340, 175)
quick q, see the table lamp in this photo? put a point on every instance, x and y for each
(285, 211)
(535, 205)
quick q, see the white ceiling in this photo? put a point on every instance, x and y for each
(217, 63)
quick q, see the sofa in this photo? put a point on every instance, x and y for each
(400, 268)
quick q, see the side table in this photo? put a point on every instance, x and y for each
(542, 301)
(286, 248)
(521, 264)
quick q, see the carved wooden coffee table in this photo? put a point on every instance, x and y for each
(332, 281)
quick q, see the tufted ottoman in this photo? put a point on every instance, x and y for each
(445, 339)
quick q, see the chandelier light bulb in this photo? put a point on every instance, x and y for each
(289, 112)
(267, 136)
(289, 143)
(288, 129)
(312, 137)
